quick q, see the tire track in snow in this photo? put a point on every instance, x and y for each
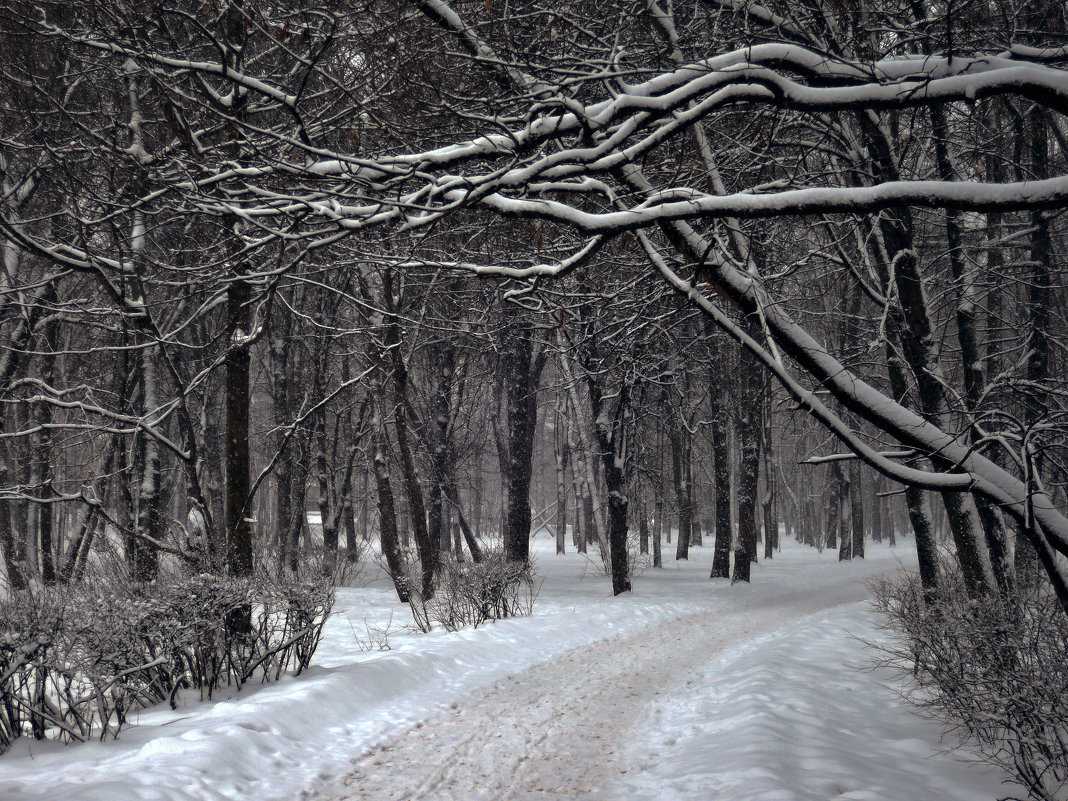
(553, 731)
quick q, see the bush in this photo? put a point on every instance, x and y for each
(74, 662)
(470, 594)
(996, 675)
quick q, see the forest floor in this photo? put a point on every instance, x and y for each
(683, 689)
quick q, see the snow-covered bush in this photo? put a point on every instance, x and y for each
(470, 593)
(75, 661)
(346, 567)
(996, 674)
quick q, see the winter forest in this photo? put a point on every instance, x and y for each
(631, 399)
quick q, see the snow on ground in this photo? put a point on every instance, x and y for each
(789, 717)
(682, 689)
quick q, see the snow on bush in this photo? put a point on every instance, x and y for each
(995, 673)
(76, 661)
(472, 593)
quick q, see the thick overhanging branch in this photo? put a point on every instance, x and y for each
(946, 451)
(1051, 193)
(805, 398)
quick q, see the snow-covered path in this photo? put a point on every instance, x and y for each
(559, 730)
(682, 690)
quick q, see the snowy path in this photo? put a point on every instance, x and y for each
(683, 690)
(561, 730)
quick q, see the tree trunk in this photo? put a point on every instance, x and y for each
(282, 401)
(12, 562)
(989, 520)
(561, 453)
(611, 437)
(522, 365)
(399, 375)
(438, 523)
(328, 512)
(856, 508)
(1039, 296)
(678, 473)
(235, 440)
(876, 506)
(387, 514)
(643, 528)
(45, 489)
(909, 325)
(721, 559)
(658, 525)
(771, 520)
(580, 522)
(453, 495)
(749, 431)
(593, 522)
(696, 536)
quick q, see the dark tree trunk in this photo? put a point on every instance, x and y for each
(453, 496)
(611, 437)
(617, 530)
(561, 453)
(328, 516)
(387, 514)
(658, 524)
(696, 535)
(298, 516)
(771, 520)
(643, 529)
(580, 524)
(45, 489)
(876, 507)
(282, 399)
(682, 502)
(235, 442)
(522, 364)
(856, 508)
(150, 523)
(721, 559)
(749, 431)
(971, 359)
(1039, 294)
(428, 555)
(438, 526)
(909, 325)
(12, 563)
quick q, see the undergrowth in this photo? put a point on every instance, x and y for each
(995, 673)
(76, 661)
(470, 593)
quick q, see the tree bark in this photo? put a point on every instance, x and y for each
(911, 324)
(720, 423)
(235, 444)
(561, 454)
(45, 488)
(522, 363)
(749, 430)
(611, 436)
(453, 496)
(682, 495)
(966, 313)
(856, 508)
(399, 382)
(387, 514)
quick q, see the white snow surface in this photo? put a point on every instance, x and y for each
(682, 689)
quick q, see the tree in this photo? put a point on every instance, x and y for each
(531, 130)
